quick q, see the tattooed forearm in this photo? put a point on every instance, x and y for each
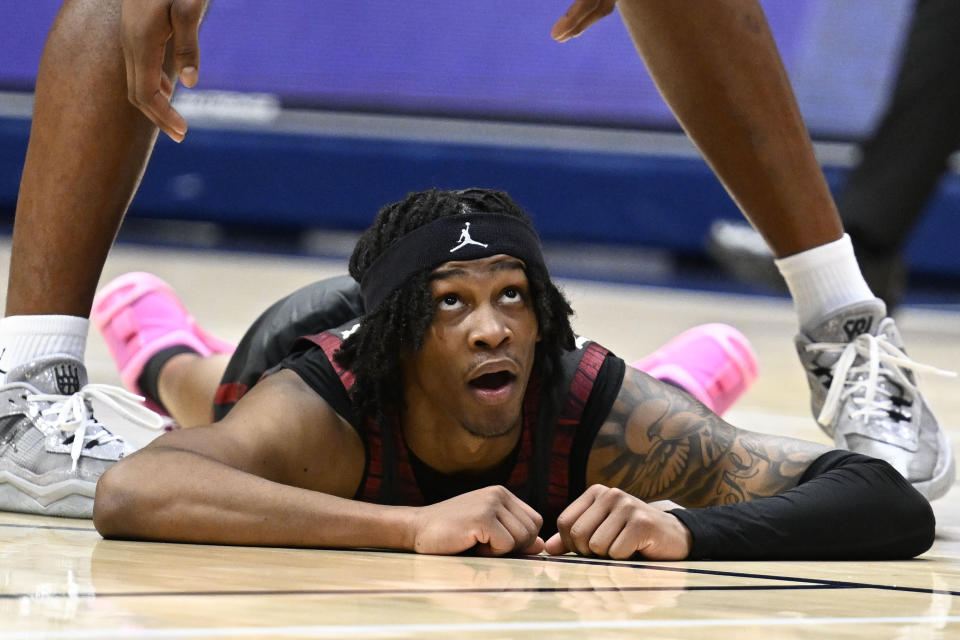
(659, 443)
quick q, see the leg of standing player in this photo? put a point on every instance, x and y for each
(87, 151)
(716, 64)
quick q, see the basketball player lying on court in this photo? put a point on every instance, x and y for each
(461, 413)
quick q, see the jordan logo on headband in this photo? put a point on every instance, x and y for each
(465, 239)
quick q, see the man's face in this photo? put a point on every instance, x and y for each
(478, 352)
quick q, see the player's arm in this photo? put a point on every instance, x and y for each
(751, 495)
(658, 443)
(280, 469)
(274, 472)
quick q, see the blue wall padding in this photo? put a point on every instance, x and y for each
(313, 181)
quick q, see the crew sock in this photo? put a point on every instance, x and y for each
(24, 339)
(824, 279)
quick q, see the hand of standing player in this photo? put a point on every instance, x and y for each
(609, 522)
(146, 29)
(491, 519)
(580, 15)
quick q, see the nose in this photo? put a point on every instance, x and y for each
(489, 328)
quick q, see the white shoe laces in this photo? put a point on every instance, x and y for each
(73, 415)
(880, 359)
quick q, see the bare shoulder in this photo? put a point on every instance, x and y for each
(282, 430)
(659, 443)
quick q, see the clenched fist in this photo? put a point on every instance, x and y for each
(611, 523)
(491, 519)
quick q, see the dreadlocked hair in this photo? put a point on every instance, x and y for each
(373, 352)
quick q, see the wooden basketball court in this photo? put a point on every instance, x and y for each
(60, 579)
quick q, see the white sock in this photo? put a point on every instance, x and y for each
(823, 279)
(26, 338)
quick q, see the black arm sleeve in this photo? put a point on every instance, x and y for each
(847, 507)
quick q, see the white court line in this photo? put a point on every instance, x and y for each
(339, 631)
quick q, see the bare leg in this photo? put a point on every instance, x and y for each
(87, 152)
(717, 66)
(188, 385)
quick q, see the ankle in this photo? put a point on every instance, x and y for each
(164, 365)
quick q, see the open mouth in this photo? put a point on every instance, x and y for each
(492, 381)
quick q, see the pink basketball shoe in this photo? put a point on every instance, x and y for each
(713, 362)
(138, 315)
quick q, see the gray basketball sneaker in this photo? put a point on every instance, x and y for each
(864, 395)
(52, 449)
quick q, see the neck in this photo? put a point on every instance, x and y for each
(447, 446)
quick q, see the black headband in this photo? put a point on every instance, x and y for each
(467, 236)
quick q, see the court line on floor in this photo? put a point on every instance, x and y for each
(339, 631)
(816, 582)
(411, 592)
(823, 582)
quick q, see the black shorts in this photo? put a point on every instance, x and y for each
(323, 305)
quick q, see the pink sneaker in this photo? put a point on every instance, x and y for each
(713, 362)
(138, 314)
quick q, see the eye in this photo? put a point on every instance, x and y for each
(449, 302)
(512, 295)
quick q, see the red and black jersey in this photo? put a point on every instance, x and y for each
(561, 415)
(547, 467)
(392, 476)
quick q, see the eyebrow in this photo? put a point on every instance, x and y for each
(454, 272)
